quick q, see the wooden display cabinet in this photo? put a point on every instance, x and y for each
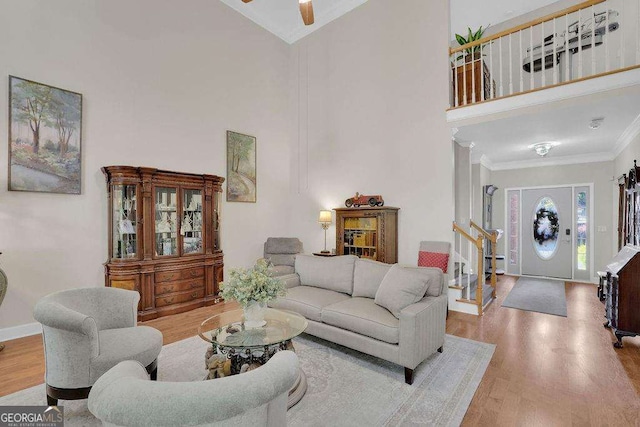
(164, 238)
(368, 233)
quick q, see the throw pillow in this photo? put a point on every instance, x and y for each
(433, 259)
(367, 277)
(404, 285)
(332, 273)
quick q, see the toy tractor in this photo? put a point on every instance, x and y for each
(361, 200)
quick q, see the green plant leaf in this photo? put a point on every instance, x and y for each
(461, 40)
(478, 34)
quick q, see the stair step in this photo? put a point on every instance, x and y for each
(487, 294)
(498, 257)
(499, 271)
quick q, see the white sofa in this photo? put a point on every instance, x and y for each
(344, 298)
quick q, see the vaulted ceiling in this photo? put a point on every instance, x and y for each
(282, 17)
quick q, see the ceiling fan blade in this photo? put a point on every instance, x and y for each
(306, 10)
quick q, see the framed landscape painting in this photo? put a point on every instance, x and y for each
(241, 168)
(45, 133)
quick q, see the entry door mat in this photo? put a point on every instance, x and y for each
(539, 295)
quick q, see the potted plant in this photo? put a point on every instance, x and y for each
(472, 52)
(253, 288)
(467, 77)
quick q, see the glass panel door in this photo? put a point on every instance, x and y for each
(124, 221)
(166, 226)
(361, 237)
(216, 221)
(191, 221)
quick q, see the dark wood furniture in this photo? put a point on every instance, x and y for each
(164, 239)
(622, 304)
(629, 207)
(368, 233)
(467, 79)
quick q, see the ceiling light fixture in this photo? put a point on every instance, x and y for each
(543, 148)
(306, 10)
(596, 123)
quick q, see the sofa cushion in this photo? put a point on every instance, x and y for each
(363, 316)
(281, 259)
(140, 343)
(367, 277)
(405, 285)
(282, 245)
(308, 301)
(333, 273)
(280, 270)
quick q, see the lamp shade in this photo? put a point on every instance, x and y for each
(325, 217)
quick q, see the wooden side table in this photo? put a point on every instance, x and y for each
(324, 254)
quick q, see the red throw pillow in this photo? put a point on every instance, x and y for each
(433, 259)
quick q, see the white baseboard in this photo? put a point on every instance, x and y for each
(20, 331)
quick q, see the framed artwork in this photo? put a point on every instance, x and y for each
(241, 168)
(45, 138)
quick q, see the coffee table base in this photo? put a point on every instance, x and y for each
(298, 390)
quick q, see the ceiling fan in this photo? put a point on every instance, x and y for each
(306, 10)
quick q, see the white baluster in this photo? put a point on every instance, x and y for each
(593, 42)
(579, 43)
(482, 97)
(492, 89)
(464, 77)
(520, 61)
(531, 84)
(473, 76)
(501, 80)
(510, 67)
(555, 55)
(567, 53)
(638, 34)
(543, 57)
(622, 38)
(455, 78)
(459, 259)
(606, 40)
(470, 258)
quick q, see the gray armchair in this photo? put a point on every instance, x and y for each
(256, 398)
(86, 332)
(281, 252)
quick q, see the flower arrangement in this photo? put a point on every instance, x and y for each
(254, 285)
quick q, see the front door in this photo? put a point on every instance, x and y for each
(547, 229)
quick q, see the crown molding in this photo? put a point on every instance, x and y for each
(553, 161)
(482, 160)
(292, 36)
(629, 134)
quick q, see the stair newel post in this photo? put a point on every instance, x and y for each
(479, 297)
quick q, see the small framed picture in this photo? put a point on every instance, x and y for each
(241, 168)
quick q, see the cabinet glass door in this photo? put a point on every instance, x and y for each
(166, 225)
(124, 222)
(191, 221)
(216, 221)
(361, 237)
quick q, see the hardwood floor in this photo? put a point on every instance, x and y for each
(546, 370)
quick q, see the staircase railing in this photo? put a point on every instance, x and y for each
(591, 39)
(478, 243)
(493, 241)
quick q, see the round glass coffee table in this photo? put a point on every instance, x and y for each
(244, 349)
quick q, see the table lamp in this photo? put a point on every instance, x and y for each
(325, 222)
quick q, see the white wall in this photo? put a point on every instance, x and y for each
(480, 176)
(161, 84)
(372, 119)
(599, 174)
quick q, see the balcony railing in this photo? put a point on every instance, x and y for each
(588, 40)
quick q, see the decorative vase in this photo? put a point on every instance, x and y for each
(254, 314)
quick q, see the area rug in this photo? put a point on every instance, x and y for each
(540, 295)
(346, 388)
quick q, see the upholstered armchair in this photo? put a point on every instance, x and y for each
(88, 331)
(281, 252)
(255, 398)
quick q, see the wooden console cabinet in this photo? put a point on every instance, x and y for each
(368, 233)
(623, 294)
(164, 238)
